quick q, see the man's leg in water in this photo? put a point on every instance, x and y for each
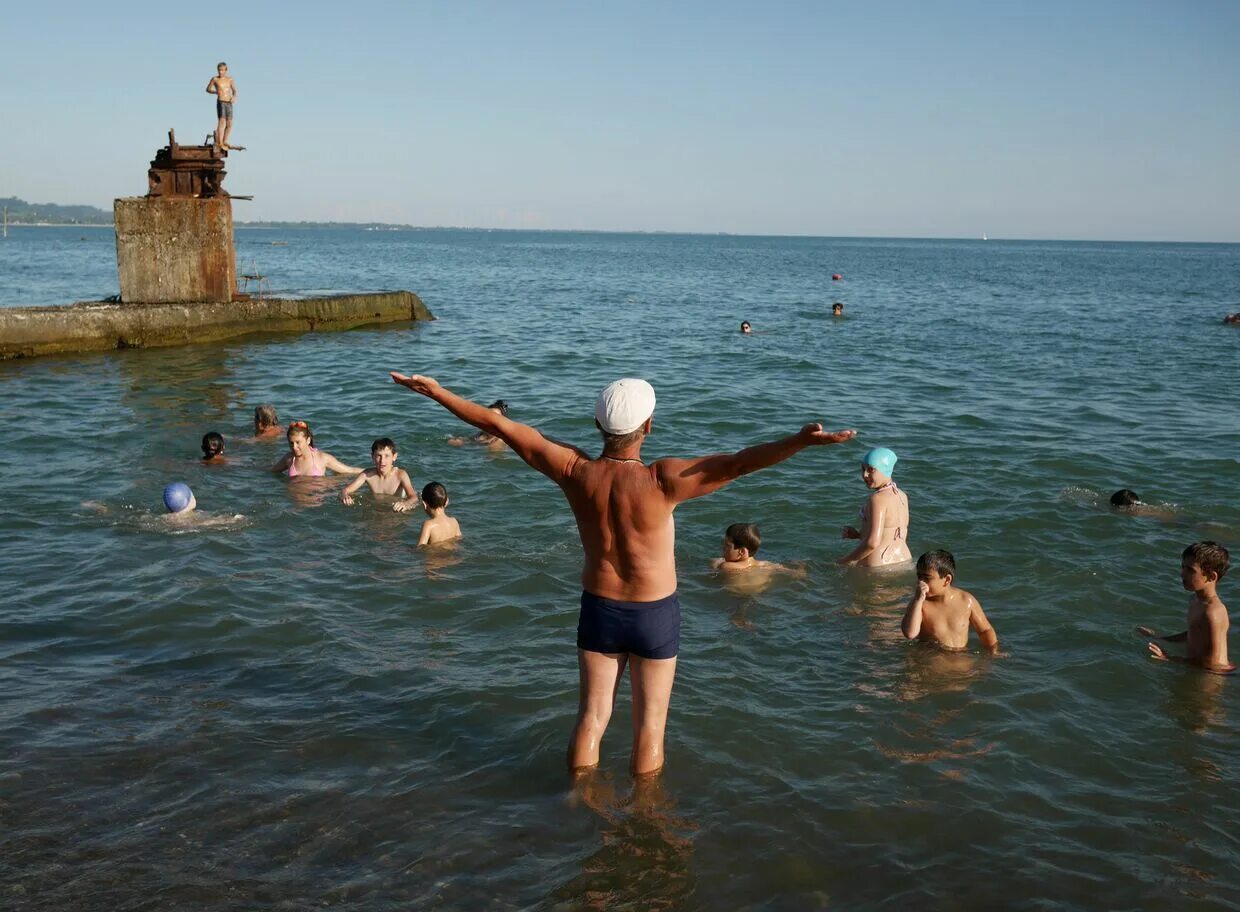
(600, 679)
(652, 693)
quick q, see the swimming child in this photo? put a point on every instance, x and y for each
(500, 407)
(1128, 501)
(266, 423)
(178, 498)
(746, 328)
(941, 613)
(303, 459)
(440, 527)
(213, 447)
(384, 478)
(1202, 565)
(741, 542)
(884, 518)
(837, 309)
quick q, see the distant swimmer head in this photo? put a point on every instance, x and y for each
(745, 327)
(837, 309)
(1125, 498)
(882, 461)
(624, 406)
(499, 405)
(212, 445)
(178, 497)
(265, 417)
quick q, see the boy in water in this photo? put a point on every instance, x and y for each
(499, 407)
(741, 542)
(384, 478)
(266, 422)
(1202, 565)
(837, 309)
(440, 527)
(941, 613)
(213, 448)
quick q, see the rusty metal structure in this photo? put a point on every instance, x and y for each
(187, 172)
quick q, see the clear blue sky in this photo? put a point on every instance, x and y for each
(1085, 119)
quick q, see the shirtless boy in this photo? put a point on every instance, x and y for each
(741, 542)
(384, 478)
(225, 92)
(623, 507)
(1202, 565)
(439, 526)
(884, 518)
(941, 613)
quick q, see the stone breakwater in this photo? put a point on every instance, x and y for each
(93, 326)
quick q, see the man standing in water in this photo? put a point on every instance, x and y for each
(629, 612)
(225, 92)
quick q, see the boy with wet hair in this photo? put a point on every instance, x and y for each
(439, 527)
(1202, 565)
(741, 542)
(384, 478)
(941, 613)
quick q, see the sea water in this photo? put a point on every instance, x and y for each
(284, 704)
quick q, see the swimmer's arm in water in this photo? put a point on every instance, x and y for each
(1170, 638)
(551, 457)
(684, 479)
(331, 462)
(346, 496)
(424, 536)
(411, 498)
(978, 621)
(282, 466)
(871, 534)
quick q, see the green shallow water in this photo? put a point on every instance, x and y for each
(295, 707)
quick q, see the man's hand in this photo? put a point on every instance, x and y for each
(1156, 652)
(814, 435)
(419, 384)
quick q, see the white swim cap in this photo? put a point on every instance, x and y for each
(622, 407)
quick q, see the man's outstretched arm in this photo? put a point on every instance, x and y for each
(684, 479)
(550, 457)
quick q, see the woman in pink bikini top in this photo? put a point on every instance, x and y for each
(302, 459)
(884, 518)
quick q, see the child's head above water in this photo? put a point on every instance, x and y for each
(1125, 498)
(740, 537)
(499, 405)
(264, 418)
(178, 498)
(937, 569)
(435, 496)
(212, 445)
(1208, 556)
(383, 443)
(299, 429)
(877, 466)
(383, 453)
(745, 327)
(837, 309)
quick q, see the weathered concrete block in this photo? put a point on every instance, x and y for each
(175, 251)
(29, 331)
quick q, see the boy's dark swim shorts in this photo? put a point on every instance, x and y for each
(650, 630)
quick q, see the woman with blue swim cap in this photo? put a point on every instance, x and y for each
(884, 518)
(178, 498)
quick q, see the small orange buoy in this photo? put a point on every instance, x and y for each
(835, 277)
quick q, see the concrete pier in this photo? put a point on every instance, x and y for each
(30, 331)
(172, 250)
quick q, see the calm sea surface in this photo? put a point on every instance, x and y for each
(285, 705)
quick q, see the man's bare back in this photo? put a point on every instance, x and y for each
(623, 509)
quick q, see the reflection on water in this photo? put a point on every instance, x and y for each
(645, 859)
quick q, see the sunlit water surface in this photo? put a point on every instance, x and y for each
(284, 704)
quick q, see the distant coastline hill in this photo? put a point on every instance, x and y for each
(24, 213)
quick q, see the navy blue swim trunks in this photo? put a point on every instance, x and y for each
(650, 630)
